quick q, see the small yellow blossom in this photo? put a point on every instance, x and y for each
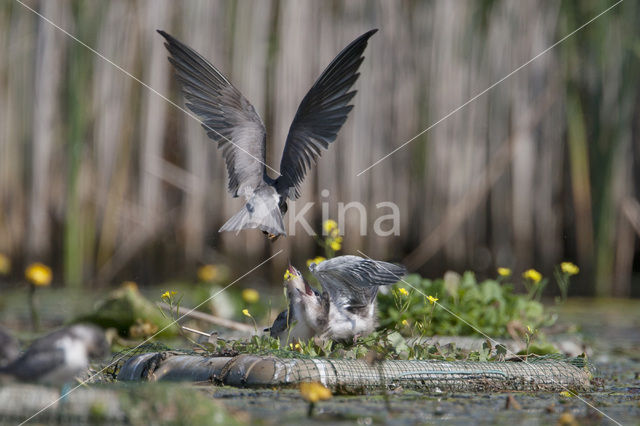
(403, 291)
(317, 260)
(207, 273)
(329, 225)
(288, 275)
(432, 299)
(566, 394)
(5, 264)
(504, 272)
(405, 322)
(296, 347)
(314, 392)
(250, 295)
(168, 294)
(246, 313)
(569, 268)
(532, 275)
(38, 274)
(336, 244)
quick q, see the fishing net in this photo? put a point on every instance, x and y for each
(355, 376)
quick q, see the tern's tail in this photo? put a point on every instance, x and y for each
(257, 214)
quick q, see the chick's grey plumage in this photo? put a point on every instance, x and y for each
(59, 357)
(305, 314)
(230, 119)
(346, 307)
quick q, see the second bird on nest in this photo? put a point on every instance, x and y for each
(344, 310)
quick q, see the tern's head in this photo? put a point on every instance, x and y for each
(297, 288)
(93, 338)
(304, 302)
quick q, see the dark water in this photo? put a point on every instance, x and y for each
(611, 329)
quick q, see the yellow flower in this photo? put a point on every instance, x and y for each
(297, 346)
(336, 244)
(566, 394)
(504, 272)
(38, 274)
(5, 264)
(405, 322)
(314, 392)
(403, 291)
(432, 299)
(569, 268)
(288, 275)
(329, 225)
(532, 275)
(207, 273)
(246, 313)
(168, 294)
(250, 295)
(316, 260)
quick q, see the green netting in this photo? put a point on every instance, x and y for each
(357, 376)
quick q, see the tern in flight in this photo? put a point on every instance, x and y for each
(230, 119)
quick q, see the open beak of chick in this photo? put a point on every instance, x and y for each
(294, 278)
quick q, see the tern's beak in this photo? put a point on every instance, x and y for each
(293, 277)
(291, 273)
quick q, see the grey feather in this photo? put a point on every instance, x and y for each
(226, 116)
(231, 120)
(9, 348)
(280, 325)
(47, 360)
(354, 280)
(260, 211)
(320, 115)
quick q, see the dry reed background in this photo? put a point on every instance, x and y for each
(105, 180)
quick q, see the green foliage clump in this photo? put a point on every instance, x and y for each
(384, 344)
(464, 307)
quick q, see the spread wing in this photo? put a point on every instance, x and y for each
(320, 115)
(279, 325)
(226, 115)
(354, 280)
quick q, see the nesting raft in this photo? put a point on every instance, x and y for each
(358, 375)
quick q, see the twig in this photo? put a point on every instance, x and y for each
(194, 331)
(222, 322)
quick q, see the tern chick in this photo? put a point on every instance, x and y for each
(230, 119)
(306, 312)
(59, 357)
(345, 309)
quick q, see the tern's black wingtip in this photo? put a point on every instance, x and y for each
(369, 33)
(166, 35)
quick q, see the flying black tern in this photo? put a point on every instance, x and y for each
(231, 120)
